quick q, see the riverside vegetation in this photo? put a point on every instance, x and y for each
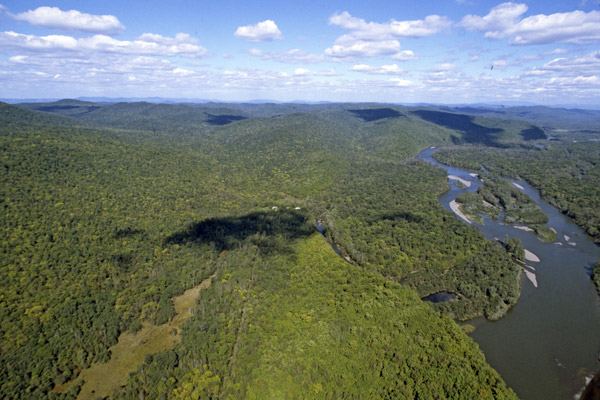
(111, 211)
(497, 195)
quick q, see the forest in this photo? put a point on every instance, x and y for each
(110, 211)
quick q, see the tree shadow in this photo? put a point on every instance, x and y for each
(533, 133)
(471, 132)
(407, 216)
(271, 231)
(223, 119)
(121, 233)
(374, 114)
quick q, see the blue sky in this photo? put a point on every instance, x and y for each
(452, 51)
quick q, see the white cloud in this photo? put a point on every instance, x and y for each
(182, 72)
(383, 70)
(504, 20)
(301, 71)
(369, 39)
(71, 21)
(18, 59)
(401, 82)
(361, 30)
(293, 56)
(307, 72)
(261, 32)
(588, 64)
(405, 55)
(363, 48)
(536, 72)
(147, 44)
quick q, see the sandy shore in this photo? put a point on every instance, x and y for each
(529, 256)
(518, 186)
(523, 228)
(455, 207)
(463, 181)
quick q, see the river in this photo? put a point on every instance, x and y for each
(550, 341)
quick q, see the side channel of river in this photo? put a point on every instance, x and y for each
(550, 341)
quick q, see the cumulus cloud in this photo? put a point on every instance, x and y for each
(71, 21)
(262, 32)
(505, 20)
(383, 70)
(362, 30)
(405, 55)
(368, 39)
(147, 44)
(293, 56)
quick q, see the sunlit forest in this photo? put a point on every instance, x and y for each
(112, 212)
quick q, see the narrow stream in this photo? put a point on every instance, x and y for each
(550, 341)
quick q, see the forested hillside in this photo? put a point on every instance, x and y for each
(110, 211)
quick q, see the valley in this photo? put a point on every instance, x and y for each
(111, 211)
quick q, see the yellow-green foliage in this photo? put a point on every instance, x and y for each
(306, 324)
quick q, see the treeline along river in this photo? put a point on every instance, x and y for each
(550, 341)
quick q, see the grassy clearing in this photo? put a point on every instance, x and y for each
(102, 378)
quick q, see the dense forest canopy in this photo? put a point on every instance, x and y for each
(109, 211)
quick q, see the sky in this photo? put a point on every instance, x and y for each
(396, 51)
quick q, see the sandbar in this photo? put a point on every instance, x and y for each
(474, 175)
(455, 207)
(531, 276)
(567, 238)
(529, 256)
(463, 181)
(523, 228)
(518, 186)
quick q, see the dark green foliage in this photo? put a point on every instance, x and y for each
(515, 248)
(419, 244)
